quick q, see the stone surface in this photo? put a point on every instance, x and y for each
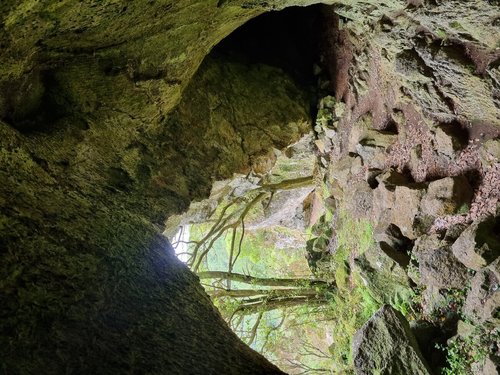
(385, 345)
(446, 142)
(490, 153)
(446, 196)
(406, 209)
(479, 244)
(437, 265)
(92, 159)
(487, 366)
(359, 199)
(342, 171)
(483, 300)
(380, 269)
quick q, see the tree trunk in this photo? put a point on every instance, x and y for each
(278, 303)
(275, 282)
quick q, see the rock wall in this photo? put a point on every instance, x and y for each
(413, 151)
(92, 158)
(92, 162)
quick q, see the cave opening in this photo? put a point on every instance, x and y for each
(250, 110)
(256, 90)
(288, 39)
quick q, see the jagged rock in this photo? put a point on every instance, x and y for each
(391, 179)
(286, 209)
(373, 156)
(295, 161)
(454, 231)
(397, 201)
(381, 269)
(385, 345)
(318, 248)
(359, 199)
(486, 366)
(262, 164)
(342, 171)
(315, 207)
(392, 236)
(384, 198)
(437, 265)
(490, 152)
(371, 145)
(432, 300)
(377, 138)
(407, 208)
(385, 185)
(465, 329)
(326, 123)
(483, 300)
(446, 196)
(479, 244)
(447, 142)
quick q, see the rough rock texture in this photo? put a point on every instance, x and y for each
(382, 272)
(479, 244)
(483, 300)
(92, 161)
(92, 158)
(486, 366)
(446, 196)
(426, 73)
(437, 265)
(386, 345)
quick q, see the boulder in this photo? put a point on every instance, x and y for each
(483, 300)
(407, 208)
(386, 345)
(359, 200)
(396, 200)
(446, 196)
(433, 302)
(437, 265)
(383, 201)
(490, 152)
(372, 155)
(486, 366)
(479, 244)
(342, 171)
(384, 275)
(447, 141)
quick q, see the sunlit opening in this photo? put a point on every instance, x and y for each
(180, 243)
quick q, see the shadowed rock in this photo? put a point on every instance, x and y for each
(385, 345)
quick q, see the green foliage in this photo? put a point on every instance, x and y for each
(462, 353)
(463, 209)
(353, 304)
(404, 304)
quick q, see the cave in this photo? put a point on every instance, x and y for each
(115, 116)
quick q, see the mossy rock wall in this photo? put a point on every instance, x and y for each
(92, 162)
